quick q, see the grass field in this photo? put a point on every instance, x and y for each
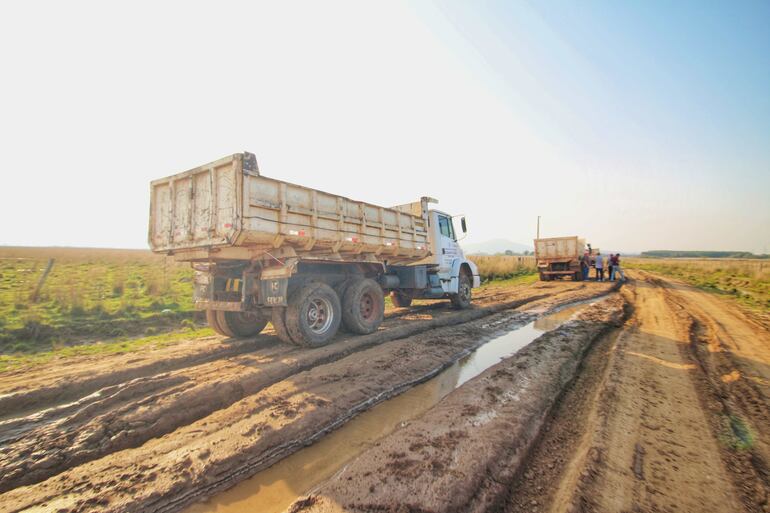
(97, 293)
(503, 267)
(746, 281)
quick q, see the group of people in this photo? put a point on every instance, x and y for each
(611, 263)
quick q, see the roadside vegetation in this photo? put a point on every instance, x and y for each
(89, 295)
(504, 267)
(746, 281)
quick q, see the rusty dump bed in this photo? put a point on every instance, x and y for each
(227, 210)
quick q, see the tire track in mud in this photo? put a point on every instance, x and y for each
(461, 455)
(20, 398)
(127, 415)
(433, 348)
(124, 416)
(72, 388)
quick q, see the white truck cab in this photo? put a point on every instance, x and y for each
(451, 274)
(447, 254)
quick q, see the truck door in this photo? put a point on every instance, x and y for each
(447, 249)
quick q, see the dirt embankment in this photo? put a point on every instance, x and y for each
(252, 423)
(459, 456)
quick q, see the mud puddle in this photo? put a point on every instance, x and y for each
(507, 345)
(274, 489)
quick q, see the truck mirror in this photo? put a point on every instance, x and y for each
(463, 225)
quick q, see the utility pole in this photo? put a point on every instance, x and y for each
(538, 227)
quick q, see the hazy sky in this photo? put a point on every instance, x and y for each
(638, 125)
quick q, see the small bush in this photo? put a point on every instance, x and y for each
(77, 311)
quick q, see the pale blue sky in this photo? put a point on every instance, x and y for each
(638, 125)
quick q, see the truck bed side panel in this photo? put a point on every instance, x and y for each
(220, 205)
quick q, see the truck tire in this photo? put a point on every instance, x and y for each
(241, 324)
(213, 322)
(314, 315)
(278, 320)
(363, 306)
(462, 299)
(400, 300)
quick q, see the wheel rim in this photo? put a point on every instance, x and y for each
(319, 315)
(367, 306)
(465, 290)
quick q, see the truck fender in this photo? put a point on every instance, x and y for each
(454, 281)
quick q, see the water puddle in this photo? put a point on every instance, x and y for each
(275, 488)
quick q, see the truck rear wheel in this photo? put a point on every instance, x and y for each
(278, 320)
(400, 300)
(235, 324)
(363, 306)
(213, 322)
(242, 324)
(313, 315)
(462, 299)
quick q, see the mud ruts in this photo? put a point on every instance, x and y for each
(461, 455)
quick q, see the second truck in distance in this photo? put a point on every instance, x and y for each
(305, 260)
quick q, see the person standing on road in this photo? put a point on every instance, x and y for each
(599, 267)
(617, 269)
(585, 265)
(611, 271)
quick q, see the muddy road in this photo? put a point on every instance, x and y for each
(548, 397)
(167, 427)
(668, 412)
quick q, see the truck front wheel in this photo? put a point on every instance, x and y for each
(463, 297)
(313, 315)
(363, 306)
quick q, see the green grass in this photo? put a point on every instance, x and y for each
(526, 277)
(123, 345)
(745, 281)
(90, 293)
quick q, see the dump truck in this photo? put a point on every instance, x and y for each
(558, 257)
(265, 250)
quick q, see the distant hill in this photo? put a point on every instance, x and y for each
(667, 253)
(494, 246)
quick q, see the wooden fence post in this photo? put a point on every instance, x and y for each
(36, 294)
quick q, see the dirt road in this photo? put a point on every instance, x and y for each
(654, 398)
(671, 414)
